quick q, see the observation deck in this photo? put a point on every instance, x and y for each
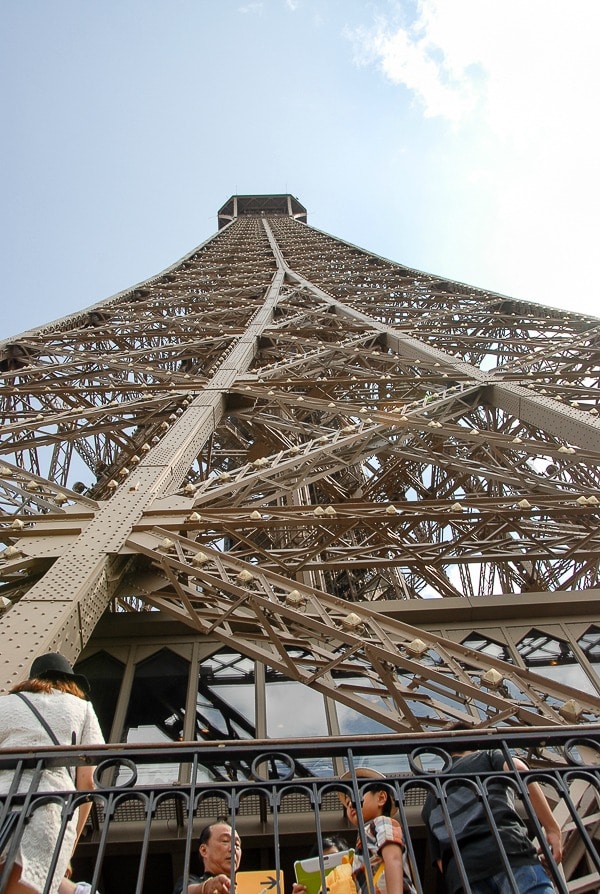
(284, 203)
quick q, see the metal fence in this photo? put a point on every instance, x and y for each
(283, 796)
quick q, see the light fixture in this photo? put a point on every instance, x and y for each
(492, 678)
(10, 552)
(296, 599)
(416, 647)
(571, 711)
(200, 559)
(351, 621)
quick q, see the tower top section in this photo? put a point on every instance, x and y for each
(271, 204)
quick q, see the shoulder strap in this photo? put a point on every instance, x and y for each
(497, 759)
(39, 716)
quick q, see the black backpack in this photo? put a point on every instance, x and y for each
(467, 810)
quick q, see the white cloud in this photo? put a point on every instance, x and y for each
(519, 77)
(409, 57)
(522, 60)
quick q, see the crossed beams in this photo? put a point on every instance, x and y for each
(405, 678)
(367, 430)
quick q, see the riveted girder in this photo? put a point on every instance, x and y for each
(349, 432)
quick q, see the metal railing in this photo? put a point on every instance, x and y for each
(281, 796)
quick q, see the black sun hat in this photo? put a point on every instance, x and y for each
(53, 666)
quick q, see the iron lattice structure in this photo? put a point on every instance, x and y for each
(314, 454)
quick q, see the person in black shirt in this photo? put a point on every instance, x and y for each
(215, 846)
(479, 850)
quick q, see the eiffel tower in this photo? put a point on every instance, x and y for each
(370, 480)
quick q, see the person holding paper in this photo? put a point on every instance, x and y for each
(216, 846)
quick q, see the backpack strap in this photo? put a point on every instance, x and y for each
(48, 728)
(39, 716)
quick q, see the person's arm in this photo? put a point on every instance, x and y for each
(394, 871)
(215, 884)
(84, 780)
(543, 811)
(195, 888)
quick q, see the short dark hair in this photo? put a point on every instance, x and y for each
(390, 805)
(205, 834)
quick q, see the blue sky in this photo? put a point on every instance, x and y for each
(454, 136)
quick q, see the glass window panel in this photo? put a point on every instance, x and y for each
(242, 700)
(294, 710)
(225, 706)
(481, 643)
(226, 666)
(105, 674)
(554, 658)
(590, 643)
(156, 709)
(572, 675)
(351, 721)
(539, 649)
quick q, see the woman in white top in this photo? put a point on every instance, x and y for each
(60, 697)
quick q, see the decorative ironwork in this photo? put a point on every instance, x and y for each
(132, 787)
